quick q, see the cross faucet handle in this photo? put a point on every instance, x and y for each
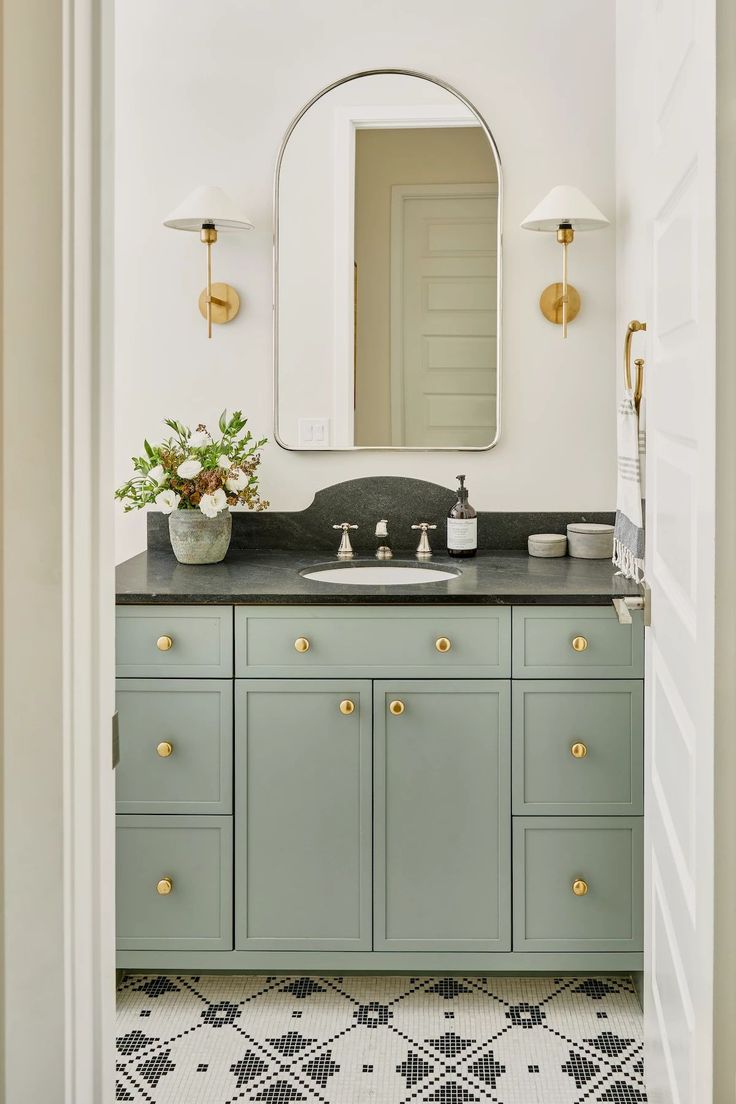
(345, 551)
(423, 549)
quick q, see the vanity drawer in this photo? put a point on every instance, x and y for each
(174, 641)
(600, 856)
(576, 642)
(578, 747)
(372, 641)
(176, 746)
(195, 854)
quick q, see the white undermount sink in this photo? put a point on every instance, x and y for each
(378, 574)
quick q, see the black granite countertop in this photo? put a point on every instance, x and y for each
(272, 578)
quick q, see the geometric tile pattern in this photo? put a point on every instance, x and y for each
(379, 1040)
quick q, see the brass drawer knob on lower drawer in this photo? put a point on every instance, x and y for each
(579, 644)
(165, 886)
(579, 887)
(301, 644)
(164, 749)
(579, 751)
(347, 707)
(397, 708)
(443, 644)
(164, 643)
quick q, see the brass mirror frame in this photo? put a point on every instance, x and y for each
(499, 266)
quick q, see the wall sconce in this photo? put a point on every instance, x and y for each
(208, 210)
(564, 210)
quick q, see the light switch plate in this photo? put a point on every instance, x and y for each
(314, 433)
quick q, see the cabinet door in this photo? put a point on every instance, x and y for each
(303, 814)
(442, 816)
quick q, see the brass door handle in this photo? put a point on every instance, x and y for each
(164, 643)
(302, 644)
(165, 886)
(579, 751)
(397, 708)
(442, 644)
(164, 749)
(347, 707)
(579, 644)
(580, 887)
(634, 327)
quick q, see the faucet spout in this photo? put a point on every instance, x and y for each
(383, 552)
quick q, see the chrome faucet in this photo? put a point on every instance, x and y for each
(345, 551)
(383, 552)
(423, 549)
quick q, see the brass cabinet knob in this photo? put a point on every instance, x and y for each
(397, 708)
(579, 644)
(442, 644)
(165, 886)
(302, 644)
(579, 751)
(164, 749)
(347, 707)
(579, 887)
(164, 643)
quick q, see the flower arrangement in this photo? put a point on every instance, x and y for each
(194, 470)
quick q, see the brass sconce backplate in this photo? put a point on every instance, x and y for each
(550, 303)
(225, 303)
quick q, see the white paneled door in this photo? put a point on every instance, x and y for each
(443, 314)
(680, 190)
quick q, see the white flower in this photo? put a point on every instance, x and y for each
(156, 475)
(212, 504)
(237, 482)
(224, 462)
(198, 438)
(189, 469)
(167, 501)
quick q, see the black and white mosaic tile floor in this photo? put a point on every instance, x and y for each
(379, 1040)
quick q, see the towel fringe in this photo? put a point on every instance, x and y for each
(629, 565)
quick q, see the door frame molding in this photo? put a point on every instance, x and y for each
(58, 601)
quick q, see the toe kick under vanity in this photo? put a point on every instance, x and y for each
(438, 779)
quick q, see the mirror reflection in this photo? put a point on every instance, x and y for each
(388, 265)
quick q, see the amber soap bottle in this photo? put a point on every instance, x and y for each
(462, 524)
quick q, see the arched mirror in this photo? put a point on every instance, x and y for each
(387, 296)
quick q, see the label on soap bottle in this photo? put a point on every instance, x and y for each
(462, 533)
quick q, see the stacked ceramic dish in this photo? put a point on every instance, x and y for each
(588, 541)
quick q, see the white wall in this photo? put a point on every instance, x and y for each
(204, 94)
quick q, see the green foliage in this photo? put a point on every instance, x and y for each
(157, 471)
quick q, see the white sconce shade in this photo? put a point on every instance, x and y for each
(565, 206)
(563, 211)
(207, 210)
(208, 206)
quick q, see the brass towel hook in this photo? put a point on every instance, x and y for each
(634, 327)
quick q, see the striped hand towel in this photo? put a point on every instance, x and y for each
(628, 534)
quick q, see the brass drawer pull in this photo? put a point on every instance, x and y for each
(579, 751)
(164, 749)
(397, 708)
(164, 643)
(301, 644)
(579, 644)
(165, 886)
(347, 707)
(579, 887)
(443, 644)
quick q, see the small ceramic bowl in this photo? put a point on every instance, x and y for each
(589, 541)
(547, 545)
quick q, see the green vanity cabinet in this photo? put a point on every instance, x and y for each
(578, 883)
(578, 746)
(418, 788)
(174, 883)
(303, 814)
(176, 741)
(442, 816)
